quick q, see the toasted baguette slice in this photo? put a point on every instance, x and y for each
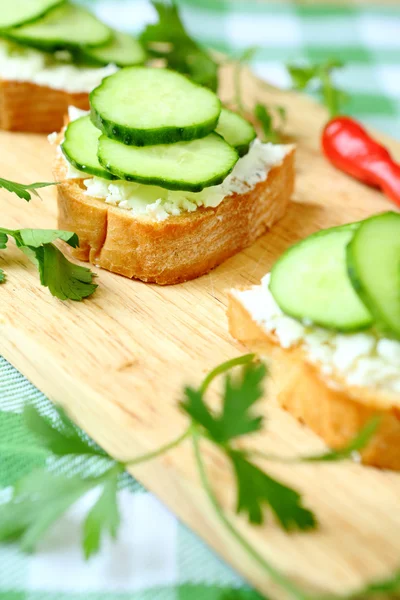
(181, 247)
(34, 108)
(332, 409)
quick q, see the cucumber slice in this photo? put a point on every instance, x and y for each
(18, 12)
(238, 132)
(142, 107)
(310, 282)
(67, 26)
(373, 260)
(123, 51)
(189, 166)
(81, 141)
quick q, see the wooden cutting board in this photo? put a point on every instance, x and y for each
(118, 362)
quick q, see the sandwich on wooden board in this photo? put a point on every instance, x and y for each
(328, 318)
(165, 187)
(52, 54)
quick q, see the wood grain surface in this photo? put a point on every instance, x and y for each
(118, 362)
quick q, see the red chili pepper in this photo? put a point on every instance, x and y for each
(350, 148)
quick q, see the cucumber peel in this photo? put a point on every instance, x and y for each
(238, 132)
(189, 166)
(81, 140)
(18, 12)
(310, 282)
(123, 50)
(373, 262)
(145, 106)
(65, 27)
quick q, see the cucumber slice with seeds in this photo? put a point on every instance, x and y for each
(18, 12)
(189, 166)
(142, 107)
(310, 282)
(238, 132)
(373, 259)
(80, 145)
(123, 50)
(65, 27)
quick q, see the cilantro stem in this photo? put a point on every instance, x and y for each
(162, 450)
(226, 366)
(287, 585)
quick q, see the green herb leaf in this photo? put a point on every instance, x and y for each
(22, 190)
(387, 588)
(39, 500)
(256, 488)
(264, 117)
(319, 76)
(3, 240)
(37, 237)
(103, 516)
(239, 396)
(2, 276)
(65, 279)
(169, 40)
(62, 440)
(357, 444)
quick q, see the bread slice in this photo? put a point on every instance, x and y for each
(181, 247)
(330, 407)
(35, 108)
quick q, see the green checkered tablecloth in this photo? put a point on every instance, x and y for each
(155, 557)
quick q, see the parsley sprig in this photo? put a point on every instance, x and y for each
(40, 498)
(318, 78)
(169, 40)
(23, 190)
(65, 279)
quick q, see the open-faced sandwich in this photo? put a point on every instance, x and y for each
(52, 54)
(328, 315)
(162, 184)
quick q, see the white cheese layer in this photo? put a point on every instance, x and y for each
(18, 63)
(159, 204)
(361, 359)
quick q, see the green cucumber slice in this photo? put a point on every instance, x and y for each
(238, 132)
(81, 141)
(373, 261)
(18, 12)
(142, 107)
(310, 282)
(64, 27)
(123, 50)
(189, 166)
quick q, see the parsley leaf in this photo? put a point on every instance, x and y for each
(3, 240)
(169, 40)
(41, 498)
(2, 276)
(319, 76)
(61, 439)
(377, 588)
(264, 116)
(256, 488)
(21, 190)
(239, 396)
(103, 516)
(65, 279)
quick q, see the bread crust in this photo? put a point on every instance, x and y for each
(331, 409)
(34, 108)
(179, 248)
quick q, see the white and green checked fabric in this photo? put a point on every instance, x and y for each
(157, 558)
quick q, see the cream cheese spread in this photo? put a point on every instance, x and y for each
(360, 359)
(18, 63)
(159, 204)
